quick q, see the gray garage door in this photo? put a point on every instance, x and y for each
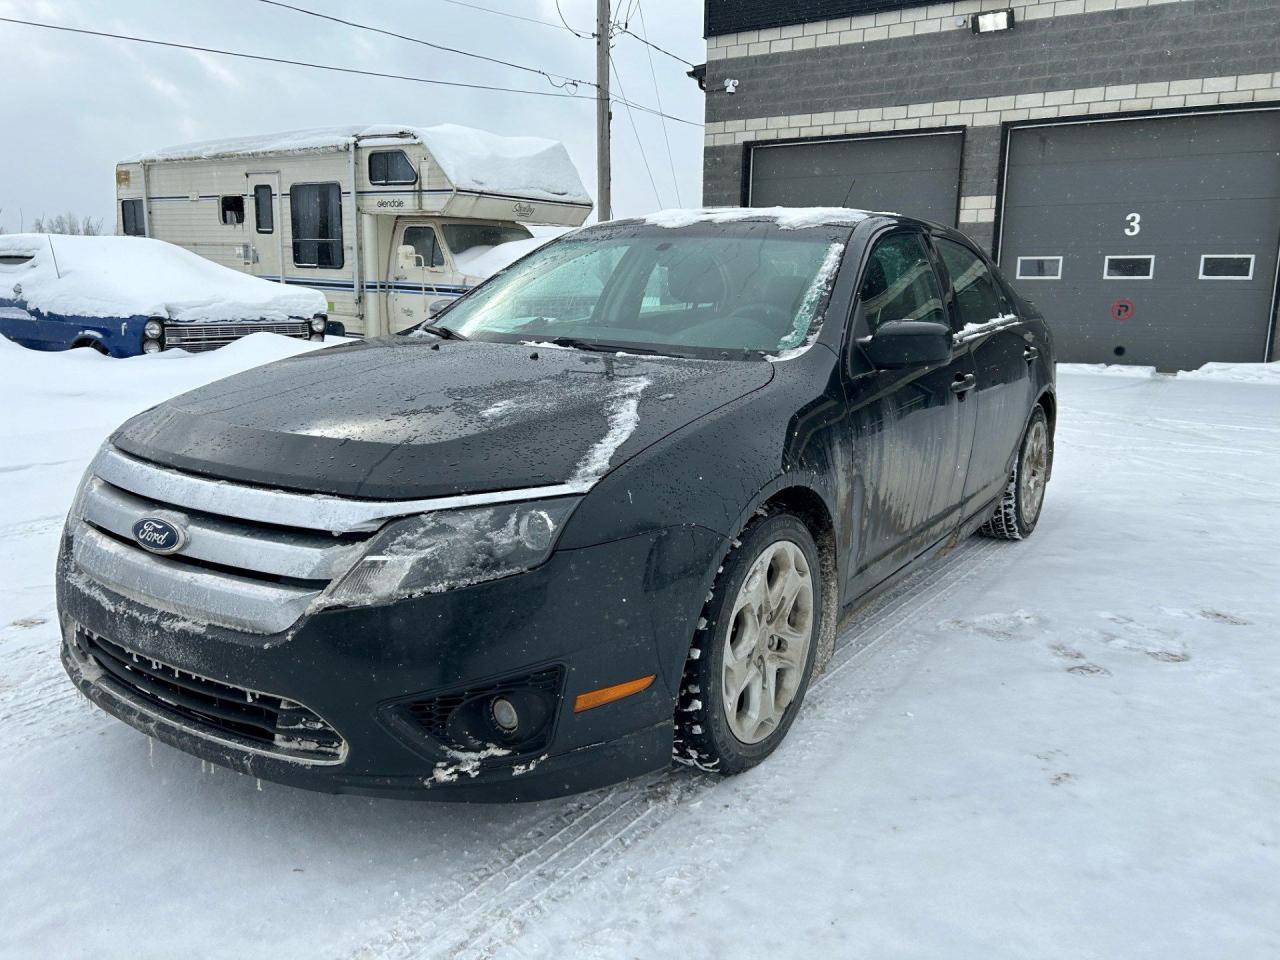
(1148, 241)
(915, 175)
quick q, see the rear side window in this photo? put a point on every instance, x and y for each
(978, 299)
(423, 241)
(131, 218)
(391, 166)
(263, 214)
(315, 216)
(231, 210)
(899, 283)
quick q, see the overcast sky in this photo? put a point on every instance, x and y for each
(75, 105)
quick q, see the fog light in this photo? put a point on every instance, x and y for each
(150, 346)
(153, 329)
(505, 715)
(318, 324)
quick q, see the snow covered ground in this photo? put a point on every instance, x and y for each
(1064, 748)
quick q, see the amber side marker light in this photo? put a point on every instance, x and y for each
(598, 698)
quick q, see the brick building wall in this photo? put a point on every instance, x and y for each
(921, 68)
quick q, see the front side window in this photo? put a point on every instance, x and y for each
(708, 292)
(391, 166)
(315, 217)
(264, 215)
(899, 283)
(978, 299)
(131, 218)
(231, 210)
(423, 241)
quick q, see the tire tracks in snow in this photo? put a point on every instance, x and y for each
(488, 909)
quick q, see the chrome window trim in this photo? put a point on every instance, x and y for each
(302, 510)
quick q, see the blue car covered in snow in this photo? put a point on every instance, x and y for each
(125, 296)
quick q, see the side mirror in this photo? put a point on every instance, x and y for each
(436, 306)
(909, 343)
(407, 256)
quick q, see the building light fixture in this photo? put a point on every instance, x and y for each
(991, 21)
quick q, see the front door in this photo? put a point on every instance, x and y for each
(1002, 360)
(418, 280)
(911, 431)
(266, 243)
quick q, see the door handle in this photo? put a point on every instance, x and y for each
(1030, 354)
(963, 383)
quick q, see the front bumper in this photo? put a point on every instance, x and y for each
(594, 616)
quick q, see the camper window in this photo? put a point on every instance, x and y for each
(264, 215)
(461, 237)
(423, 241)
(391, 166)
(315, 214)
(131, 218)
(231, 210)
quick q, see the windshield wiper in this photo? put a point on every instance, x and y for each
(444, 333)
(598, 346)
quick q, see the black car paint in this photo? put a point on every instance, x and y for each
(620, 597)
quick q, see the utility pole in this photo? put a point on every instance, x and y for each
(604, 202)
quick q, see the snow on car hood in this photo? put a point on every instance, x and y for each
(397, 419)
(483, 262)
(139, 276)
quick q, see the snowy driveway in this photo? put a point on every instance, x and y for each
(1064, 748)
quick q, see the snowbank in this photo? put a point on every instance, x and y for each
(486, 261)
(139, 276)
(1236, 372)
(473, 160)
(788, 218)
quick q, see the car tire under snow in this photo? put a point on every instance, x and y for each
(753, 654)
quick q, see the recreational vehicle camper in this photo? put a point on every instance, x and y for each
(386, 220)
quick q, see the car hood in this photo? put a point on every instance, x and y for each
(410, 417)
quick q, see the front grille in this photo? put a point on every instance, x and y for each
(195, 337)
(261, 721)
(435, 713)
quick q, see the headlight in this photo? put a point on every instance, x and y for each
(153, 329)
(150, 346)
(434, 552)
(318, 323)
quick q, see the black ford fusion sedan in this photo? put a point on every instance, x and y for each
(603, 511)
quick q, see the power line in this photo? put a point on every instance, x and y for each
(322, 66)
(657, 94)
(636, 130)
(565, 23)
(550, 77)
(506, 13)
(622, 28)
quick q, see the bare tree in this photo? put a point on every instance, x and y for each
(68, 223)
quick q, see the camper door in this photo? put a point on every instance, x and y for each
(420, 275)
(265, 220)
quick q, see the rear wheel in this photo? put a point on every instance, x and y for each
(751, 660)
(1018, 512)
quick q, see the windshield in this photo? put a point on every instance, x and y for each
(758, 289)
(461, 237)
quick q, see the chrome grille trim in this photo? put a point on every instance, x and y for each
(219, 334)
(302, 510)
(281, 553)
(186, 591)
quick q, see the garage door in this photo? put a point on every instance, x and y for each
(1148, 241)
(915, 175)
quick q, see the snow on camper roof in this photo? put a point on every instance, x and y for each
(473, 160)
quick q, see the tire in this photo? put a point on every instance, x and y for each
(726, 737)
(1018, 511)
(92, 345)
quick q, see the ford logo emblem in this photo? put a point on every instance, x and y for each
(159, 535)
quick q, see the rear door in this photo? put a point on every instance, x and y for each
(990, 330)
(266, 249)
(911, 431)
